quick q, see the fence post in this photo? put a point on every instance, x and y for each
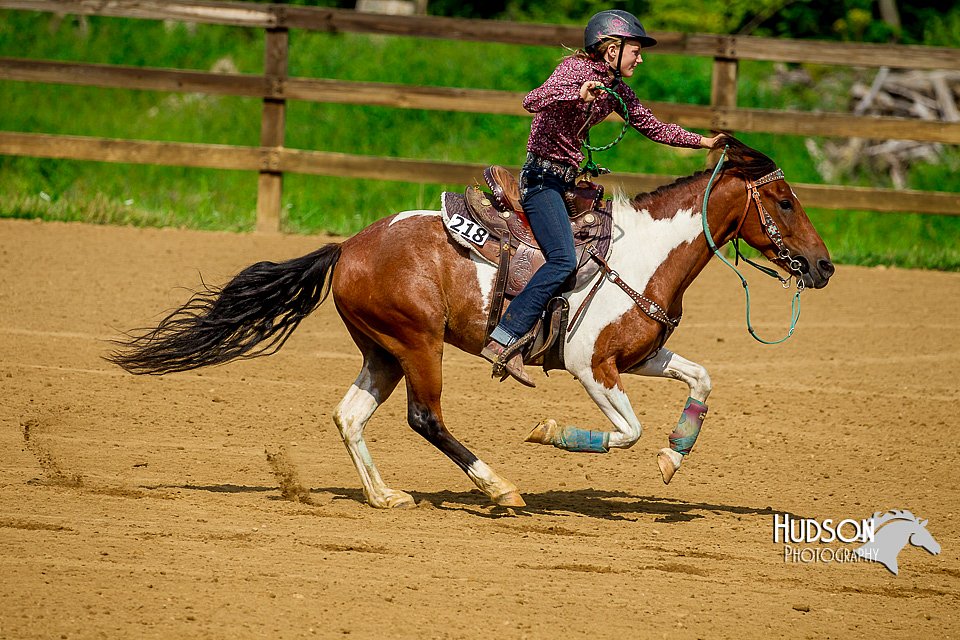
(723, 92)
(273, 123)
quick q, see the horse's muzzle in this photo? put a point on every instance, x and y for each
(818, 276)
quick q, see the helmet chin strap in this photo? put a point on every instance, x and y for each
(616, 72)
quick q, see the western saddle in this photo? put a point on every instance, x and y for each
(494, 227)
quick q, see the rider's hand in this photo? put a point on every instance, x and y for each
(588, 90)
(711, 143)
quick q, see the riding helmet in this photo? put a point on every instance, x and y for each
(616, 23)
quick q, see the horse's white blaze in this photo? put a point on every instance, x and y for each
(667, 364)
(488, 481)
(406, 215)
(640, 245)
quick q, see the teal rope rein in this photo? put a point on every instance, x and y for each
(794, 306)
(590, 166)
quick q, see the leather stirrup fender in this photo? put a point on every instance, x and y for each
(585, 197)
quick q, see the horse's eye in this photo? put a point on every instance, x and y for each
(786, 205)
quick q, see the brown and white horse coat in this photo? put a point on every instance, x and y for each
(404, 289)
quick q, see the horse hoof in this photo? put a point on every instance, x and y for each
(393, 500)
(544, 433)
(666, 464)
(510, 499)
(401, 502)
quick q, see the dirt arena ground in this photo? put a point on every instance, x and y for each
(151, 507)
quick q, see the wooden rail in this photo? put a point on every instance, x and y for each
(282, 160)
(264, 16)
(274, 87)
(723, 115)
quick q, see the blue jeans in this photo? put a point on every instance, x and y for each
(541, 193)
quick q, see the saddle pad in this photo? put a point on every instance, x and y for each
(473, 236)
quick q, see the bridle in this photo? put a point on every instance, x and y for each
(769, 226)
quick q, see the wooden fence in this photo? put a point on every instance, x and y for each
(271, 159)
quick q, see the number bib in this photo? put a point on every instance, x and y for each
(467, 229)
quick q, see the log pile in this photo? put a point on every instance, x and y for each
(393, 7)
(927, 95)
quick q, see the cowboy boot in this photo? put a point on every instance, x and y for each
(513, 365)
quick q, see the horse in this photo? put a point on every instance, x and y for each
(404, 289)
(898, 528)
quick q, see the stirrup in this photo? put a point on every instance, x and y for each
(502, 359)
(509, 353)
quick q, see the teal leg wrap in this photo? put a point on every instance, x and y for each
(583, 441)
(685, 435)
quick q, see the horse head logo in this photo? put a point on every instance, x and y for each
(892, 531)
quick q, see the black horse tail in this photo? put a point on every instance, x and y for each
(253, 315)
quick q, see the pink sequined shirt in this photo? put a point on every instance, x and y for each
(560, 124)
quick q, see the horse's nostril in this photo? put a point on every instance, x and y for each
(826, 267)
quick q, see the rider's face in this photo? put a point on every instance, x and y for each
(631, 57)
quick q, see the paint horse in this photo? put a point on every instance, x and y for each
(404, 289)
(891, 533)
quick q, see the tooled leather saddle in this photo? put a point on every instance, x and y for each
(493, 226)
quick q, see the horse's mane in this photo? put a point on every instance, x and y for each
(741, 160)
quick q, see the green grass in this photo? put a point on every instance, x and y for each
(904, 240)
(209, 199)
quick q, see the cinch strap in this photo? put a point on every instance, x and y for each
(685, 435)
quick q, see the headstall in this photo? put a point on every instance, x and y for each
(773, 232)
(768, 224)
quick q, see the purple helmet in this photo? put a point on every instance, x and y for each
(616, 23)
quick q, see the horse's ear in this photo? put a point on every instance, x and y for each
(924, 523)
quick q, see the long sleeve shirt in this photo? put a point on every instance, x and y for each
(562, 118)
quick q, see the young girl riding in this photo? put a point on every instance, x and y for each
(565, 107)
